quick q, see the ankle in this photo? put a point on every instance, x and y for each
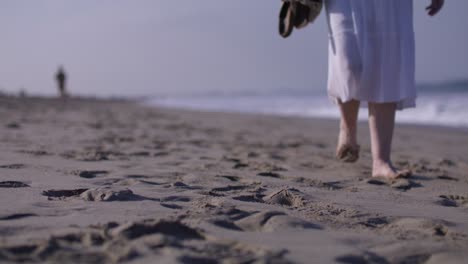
(348, 135)
(379, 163)
(350, 128)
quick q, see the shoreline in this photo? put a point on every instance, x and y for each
(437, 127)
(104, 181)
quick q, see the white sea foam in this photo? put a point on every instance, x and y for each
(450, 109)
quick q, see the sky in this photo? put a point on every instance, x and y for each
(185, 47)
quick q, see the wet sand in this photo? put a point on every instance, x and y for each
(102, 181)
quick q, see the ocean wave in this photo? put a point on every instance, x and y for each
(449, 109)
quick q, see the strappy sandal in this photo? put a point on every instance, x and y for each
(286, 18)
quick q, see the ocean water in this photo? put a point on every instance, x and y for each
(443, 106)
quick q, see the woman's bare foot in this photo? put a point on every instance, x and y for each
(387, 171)
(348, 153)
(347, 149)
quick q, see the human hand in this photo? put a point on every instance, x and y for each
(435, 7)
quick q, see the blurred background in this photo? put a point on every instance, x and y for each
(211, 54)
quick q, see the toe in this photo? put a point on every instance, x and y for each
(404, 174)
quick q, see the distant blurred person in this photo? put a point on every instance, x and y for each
(61, 78)
(22, 93)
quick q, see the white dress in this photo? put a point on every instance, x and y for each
(371, 51)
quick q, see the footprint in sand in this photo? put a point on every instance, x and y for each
(108, 181)
(286, 197)
(227, 224)
(404, 184)
(330, 185)
(365, 257)
(266, 221)
(409, 227)
(222, 191)
(140, 154)
(311, 165)
(20, 253)
(453, 200)
(36, 152)
(107, 194)
(171, 206)
(225, 217)
(271, 221)
(414, 258)
(171, 240)
(125, 182)
(177, 230)
(268, 168)
(183, 199)
(201, 260)
(16, 216)
(150, 182)
(416, 227)
(375, 222)
(91, 245)
(161, 154)
(13, 125)
(400, 184)
(446, 178)
(230, 177)
(62, 194)
(238, 164)
(269, 174)
(136, 176)
(94, 155)
(251, 198)
(13, 166)
(230, 188)
(277, 156)
(233, 213)
(447, 163)
(90, 174)
(400, 253)
(181, 185)
(13, 184)
(98, 194)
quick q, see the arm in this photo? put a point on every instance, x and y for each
(435, 7)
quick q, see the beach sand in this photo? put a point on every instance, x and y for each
(99, 181)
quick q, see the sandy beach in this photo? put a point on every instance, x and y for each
(103, 181)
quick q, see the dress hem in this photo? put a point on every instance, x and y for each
(403, 103)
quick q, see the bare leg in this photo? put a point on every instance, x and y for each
(347, 148)
(381, 125)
